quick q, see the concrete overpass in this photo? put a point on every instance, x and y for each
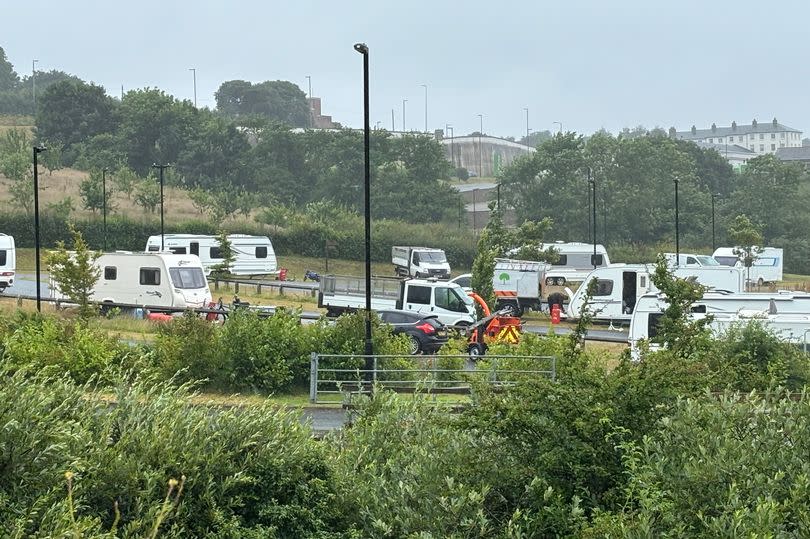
(484, 156)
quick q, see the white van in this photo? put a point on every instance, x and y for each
(689, 260)
(767, 266)
(254, 254)
(8, 261)
(151, 279)
(620, 285)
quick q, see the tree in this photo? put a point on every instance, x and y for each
(75, 273)
(147, 194)
(747, 241)
(73, 111)
(92, 192)
(9, 80)
(52, 159)
(227, 255)
(279, 100)
(125, 180)
(200, 199)
(62, 209)
(22, 193)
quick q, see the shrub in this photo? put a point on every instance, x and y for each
(188, 348)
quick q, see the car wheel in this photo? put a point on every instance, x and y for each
(414, 346)
(760, 282)
(475, 350)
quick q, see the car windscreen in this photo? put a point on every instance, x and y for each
(187, 278)
(707, 260)
(435, 257)
(727, 260)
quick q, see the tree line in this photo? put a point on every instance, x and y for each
(635, 192)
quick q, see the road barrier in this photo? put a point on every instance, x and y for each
(307, 287)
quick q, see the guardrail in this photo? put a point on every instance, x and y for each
(311, 287)
(338, 385)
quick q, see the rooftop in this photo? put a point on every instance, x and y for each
(735, 129)
(802, 153)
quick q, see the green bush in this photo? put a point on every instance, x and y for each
(188, 349)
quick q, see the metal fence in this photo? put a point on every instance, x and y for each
(333, 379)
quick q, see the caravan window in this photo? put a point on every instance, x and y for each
(110, 273)
(215, 252)
(150, 276)
(261, 252)
(3, 257)
(153, 248)
(194, 248)
(604, 287)
(186, 278)
(653, 321)
(562, 261)
(178, 250)
(758, 262)
(597, 260)
(419, 294)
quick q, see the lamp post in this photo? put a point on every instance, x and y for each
(104, 203)
(194, 74)
(393, 127)
(527, 125)
(449, 129)
(403, 114)
(161, 168)
(480, 148)
(34, 84)
(714, 245)
(425, 87)
(309, 102)
(592, 182)
(369, 349)
(560, 124)
(37, 151)
(677, 228)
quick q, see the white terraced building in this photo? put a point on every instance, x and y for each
(760, 138)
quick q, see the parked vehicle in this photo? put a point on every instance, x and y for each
(464, 281)
(767, 266)
(420, 262)
(150, 279)
(426, 334)
(619, 286)
(786, 313)
(254, 254)
(689, 260)
(8, 261)
(453, 307)
(518, 284)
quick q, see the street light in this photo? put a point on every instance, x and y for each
(34, 83)
(592, 182)
(677, 228)
(560, 124)
(449, 129)
(104, 203)
(480, 148)
(194, 74)
(362, 48)
(527, 125)
(309, 95)
(403, 114)
(425, 87)
(37, 151)
(714, 196)
(161, 168)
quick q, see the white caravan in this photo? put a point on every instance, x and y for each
(767, 266)
(254, 254)
(448, 301)
(8, 261)
(786, 313)
(619, 286)
(150, 279)
(420, 262)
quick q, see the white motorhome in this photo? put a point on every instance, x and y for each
(448, 301)
(420, 262)
(767, 266)
(619, 286)
(8, 261)
(786, 313)
(149, 279)
(254, 254)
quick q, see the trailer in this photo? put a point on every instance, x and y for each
(785, 313)
(254, 255)
(518, 284)
(339, 294)
(619, 286)
(8, 261)
(768, 265)
(155, 279)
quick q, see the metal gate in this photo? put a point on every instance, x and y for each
(336, 378)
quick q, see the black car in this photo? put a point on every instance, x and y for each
(425, 333)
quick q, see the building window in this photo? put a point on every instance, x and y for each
(711, 141)
(110, 273)
(762, 136)
(773, 147)
(781, 135)
(752, 147)
(762, 147)
(773, 136)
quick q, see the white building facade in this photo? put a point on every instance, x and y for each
(759, 138)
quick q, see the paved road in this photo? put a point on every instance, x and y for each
(604, 335)
(25, 285)
(463, 188)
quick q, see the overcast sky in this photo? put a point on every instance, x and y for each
(588, 64)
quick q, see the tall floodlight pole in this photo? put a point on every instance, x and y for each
(104, 203)
(592, 182)
(393, 126)
(714, 244)
(369, 350)
(426, 101)
(194, 74)
(37, 151)
(34, 84)
(449, 129)
(527, 125)
(480, 148)
(560, 124)
(677, 228)
(161, 168)
(403, 114)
